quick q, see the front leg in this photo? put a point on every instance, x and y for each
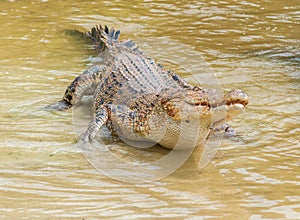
(82, 84)
(100, 118)
(224, 129)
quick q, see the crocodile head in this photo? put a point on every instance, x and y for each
(198, 103)
(201, 110)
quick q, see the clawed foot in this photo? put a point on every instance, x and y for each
(88, 142)
(225, 130)
(58, 106)
(87, 138)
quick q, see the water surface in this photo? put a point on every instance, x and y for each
(251, 45)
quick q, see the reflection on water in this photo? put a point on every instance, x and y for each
(250, 45)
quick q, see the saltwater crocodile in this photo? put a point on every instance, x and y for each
(140, 100)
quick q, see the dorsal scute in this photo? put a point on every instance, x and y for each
(103, 37)
(130, 45)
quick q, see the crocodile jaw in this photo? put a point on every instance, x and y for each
(222, 114)
(234, 110)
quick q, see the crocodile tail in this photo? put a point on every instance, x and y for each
(103, 37)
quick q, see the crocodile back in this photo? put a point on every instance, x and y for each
(129, 73)
(143, 76)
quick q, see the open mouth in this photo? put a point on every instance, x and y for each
(237, 102)
(234, 109)
(237, 98)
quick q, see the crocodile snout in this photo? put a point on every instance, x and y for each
(236, 101)
(236, 97)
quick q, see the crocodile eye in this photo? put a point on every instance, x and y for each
(196, 88)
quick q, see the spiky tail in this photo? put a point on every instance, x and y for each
(102, 37)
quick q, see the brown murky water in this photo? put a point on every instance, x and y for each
(251, 45)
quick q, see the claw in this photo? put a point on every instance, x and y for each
(90, 144)
(225, 130)
(87, 138)
(59, 106)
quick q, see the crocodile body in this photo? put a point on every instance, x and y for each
(140, 100)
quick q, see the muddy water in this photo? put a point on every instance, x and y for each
(251, 45)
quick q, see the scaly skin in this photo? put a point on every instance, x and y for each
(140, 100)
